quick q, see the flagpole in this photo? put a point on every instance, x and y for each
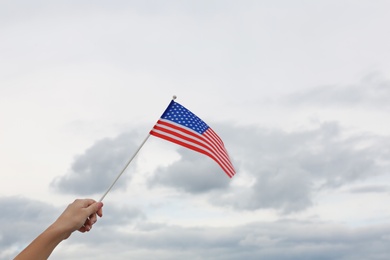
(124, 168)
(127, 164)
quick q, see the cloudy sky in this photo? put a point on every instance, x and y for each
(298, 90)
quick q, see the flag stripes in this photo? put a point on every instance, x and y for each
(207, 143)
(208, 139)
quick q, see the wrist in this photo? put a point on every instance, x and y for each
(59, 232)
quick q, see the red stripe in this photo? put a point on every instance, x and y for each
(162, 129)
(209, 152)
(216, 137)
(219, 150)
(177, 127)
(192, 148)
(219, 155)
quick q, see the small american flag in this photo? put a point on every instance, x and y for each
(182, 127)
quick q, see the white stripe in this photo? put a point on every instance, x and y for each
(221, 149)
(214, 141)
(192, 144)
(213, 149)
(217, 157)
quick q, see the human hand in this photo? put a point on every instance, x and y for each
(79, 215)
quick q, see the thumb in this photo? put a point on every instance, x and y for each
(95, 208)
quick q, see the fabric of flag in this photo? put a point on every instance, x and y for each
(182, 127)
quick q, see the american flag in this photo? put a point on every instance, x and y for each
(182, 127)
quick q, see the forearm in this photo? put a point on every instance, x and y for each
(43, 245)
(79, 215)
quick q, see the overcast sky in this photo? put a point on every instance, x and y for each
(298, 90)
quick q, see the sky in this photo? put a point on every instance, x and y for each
(299, 91)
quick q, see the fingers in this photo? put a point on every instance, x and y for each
(83, 229)
(84, 203)
(88, 223)
(92, 219)
(100, 210)
(93, 209)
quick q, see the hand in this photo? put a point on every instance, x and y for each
(79, 215)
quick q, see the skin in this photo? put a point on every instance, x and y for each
(79, 215)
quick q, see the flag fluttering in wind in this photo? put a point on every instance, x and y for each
(180, 126)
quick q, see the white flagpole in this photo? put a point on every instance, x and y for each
(124, 168)
(127, 164)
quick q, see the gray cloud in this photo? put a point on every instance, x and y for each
(193, 173)
(21, 220)
(126, 232)
(119, 215)
(93, 171)
(371, 189)
(371, 91)
(287, 167)
(272, 240)
(286, 190)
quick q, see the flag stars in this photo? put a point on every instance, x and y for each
(180, 115)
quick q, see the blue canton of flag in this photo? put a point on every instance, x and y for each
(180, 115)
(181, 126)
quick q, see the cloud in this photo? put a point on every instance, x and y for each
(288, 167)
(284, 239)
(94, 170)
(126, 232)
(23, 219)
(120, 215)
(285, 169)
(372, 91)
(371, 189)
(193, 173)
(286, 190)
(20, 221)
